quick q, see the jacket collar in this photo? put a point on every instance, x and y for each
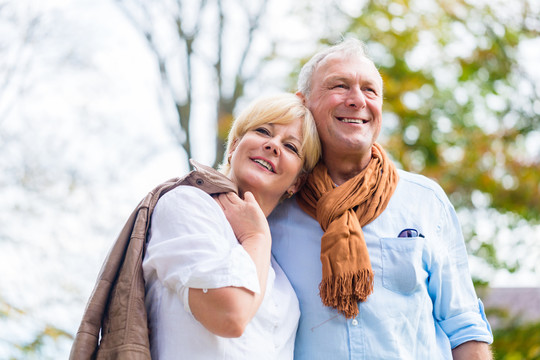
(209, 180)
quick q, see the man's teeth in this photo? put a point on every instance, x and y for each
(266, 164)
(354, 121)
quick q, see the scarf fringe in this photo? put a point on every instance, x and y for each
(345, 291)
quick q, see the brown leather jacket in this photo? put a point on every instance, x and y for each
(116, 306)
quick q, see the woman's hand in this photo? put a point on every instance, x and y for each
(245, 216)
(227, 311)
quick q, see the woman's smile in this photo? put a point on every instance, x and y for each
(274, 150)
(268, 165)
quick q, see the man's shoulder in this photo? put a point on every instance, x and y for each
(417, 179)
(290, 212)
(420, 184)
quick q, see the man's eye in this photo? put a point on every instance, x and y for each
(339, 86)
(371, 90)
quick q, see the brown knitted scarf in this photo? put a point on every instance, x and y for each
(342, 211)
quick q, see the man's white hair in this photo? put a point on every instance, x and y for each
(347, 47)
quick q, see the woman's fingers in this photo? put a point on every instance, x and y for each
(244, 215)
(248, 197)
(225, 199)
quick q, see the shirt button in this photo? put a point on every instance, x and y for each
(354, 322)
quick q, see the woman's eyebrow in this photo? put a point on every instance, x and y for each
(294, 138)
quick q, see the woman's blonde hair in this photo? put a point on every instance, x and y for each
(277, 109)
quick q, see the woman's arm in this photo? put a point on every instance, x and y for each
(227, 311)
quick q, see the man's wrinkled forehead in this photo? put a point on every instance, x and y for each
(366, 66)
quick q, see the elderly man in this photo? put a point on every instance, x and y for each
(392, 281)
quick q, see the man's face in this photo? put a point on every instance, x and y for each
(346, 102)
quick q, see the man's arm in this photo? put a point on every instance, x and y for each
(472, 350)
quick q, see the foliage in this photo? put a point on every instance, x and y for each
(515, 335)
(453, 80)
(517, 342)
(459, 106)
(66, 142)
(7, 309)
(47, 333)
(33, 348)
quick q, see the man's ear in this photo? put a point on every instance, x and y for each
(301, 96)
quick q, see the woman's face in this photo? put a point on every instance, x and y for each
(267, 161)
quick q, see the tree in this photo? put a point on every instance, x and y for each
(15, 58)
(198, 43)
(23, 26)
(459, 105)
(69, 147)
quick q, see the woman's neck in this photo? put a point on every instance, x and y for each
(266, 205)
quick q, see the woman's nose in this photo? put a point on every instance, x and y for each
(272, 146)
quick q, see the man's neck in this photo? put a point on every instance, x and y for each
(341, 169)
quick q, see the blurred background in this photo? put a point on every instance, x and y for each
(100, 100)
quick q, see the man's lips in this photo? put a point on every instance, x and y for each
(351, 120)
(265, 164)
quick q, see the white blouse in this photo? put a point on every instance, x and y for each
(192, 245)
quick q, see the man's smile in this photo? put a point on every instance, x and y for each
(352, 120)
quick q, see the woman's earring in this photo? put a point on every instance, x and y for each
(290, 193)
(229, 158)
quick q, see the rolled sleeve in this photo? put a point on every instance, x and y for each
(468, 326)
(191, 245)
(236, 269)
(457, 309)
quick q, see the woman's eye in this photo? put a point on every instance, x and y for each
(262, 130)
(293, 148)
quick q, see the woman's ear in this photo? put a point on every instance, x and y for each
(233, 146)
(299, 182)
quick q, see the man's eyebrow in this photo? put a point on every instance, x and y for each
(345, 78)
(336, 78)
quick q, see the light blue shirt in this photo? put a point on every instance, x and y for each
(423, 303)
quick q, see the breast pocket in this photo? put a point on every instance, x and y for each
(401, 262)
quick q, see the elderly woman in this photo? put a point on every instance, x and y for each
(213, 290)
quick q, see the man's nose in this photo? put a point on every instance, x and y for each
(355, 98)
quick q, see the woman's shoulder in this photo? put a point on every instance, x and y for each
(188, 200)
(189, 210)
(186, 194)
